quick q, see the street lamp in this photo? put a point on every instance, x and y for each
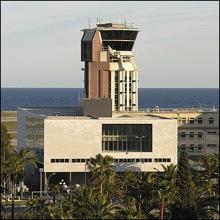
(85, 171)
(41, 170)
(140, 139)
(48, 183)
(63, 185)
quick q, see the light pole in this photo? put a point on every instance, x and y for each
(140, 139)
(62, 184)
(41, 170)
(48, 183)
(85, 172)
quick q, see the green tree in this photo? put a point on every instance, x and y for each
(165, 182)
(44, 209)
(184, 202)
(6, 147)
(6, 151)
(14, 168)
(89, 204)
(211, 172)
(102, 170)
(192, 199)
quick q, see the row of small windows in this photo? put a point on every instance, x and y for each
(199, 120)
(211, 132)
(117, 160)
(191, 135)
(191, 147)
(211, 145)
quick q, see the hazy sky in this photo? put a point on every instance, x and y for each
(178, 46)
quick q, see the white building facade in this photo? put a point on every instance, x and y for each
(64, 143)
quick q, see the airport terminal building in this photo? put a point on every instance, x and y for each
(106, 122)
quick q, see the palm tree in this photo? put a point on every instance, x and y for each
(14, 168)
(102, 170)
(42, 209)
(211, 173)
(166, 186)
(129, 211)
(55, 189)
(88, 204)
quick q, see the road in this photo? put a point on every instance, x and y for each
(17, 208)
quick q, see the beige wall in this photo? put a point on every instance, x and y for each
(82, 138)
(205, 128)
(69, 138)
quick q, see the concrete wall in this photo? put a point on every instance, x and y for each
(69, 138)
(82, 138)
(97, 107)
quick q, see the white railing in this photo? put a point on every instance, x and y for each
(178, 110)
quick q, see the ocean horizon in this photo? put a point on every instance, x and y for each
(12, 98)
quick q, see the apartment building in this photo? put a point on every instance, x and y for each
(198, 129)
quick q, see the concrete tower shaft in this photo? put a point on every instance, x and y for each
(110, 70)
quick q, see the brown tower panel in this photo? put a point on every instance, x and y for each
(98, 80)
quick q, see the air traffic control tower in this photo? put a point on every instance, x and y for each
(110, 70)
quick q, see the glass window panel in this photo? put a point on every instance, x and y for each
(120, 145)
(115, 145)
(124, 145)
(110, 145)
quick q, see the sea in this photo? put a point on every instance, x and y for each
(12, 98)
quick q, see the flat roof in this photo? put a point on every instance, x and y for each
(76, 113)
(52, 111)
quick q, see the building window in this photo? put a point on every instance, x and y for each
(191, 135)
(183, 135)
(211, 120)
(199, 148)
(191, 147)
(211, 145)
(191, 120)
(183, 120)
(52, 160)
(123, 137)
(199, 135)
(199, 120)
(162, 160)
(183, 147)
(66, 160)
(211, 132)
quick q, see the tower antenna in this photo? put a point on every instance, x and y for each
(89, 23)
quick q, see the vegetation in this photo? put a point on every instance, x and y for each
(14, 163)
(179, 192)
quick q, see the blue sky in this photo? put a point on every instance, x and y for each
(177, 47)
